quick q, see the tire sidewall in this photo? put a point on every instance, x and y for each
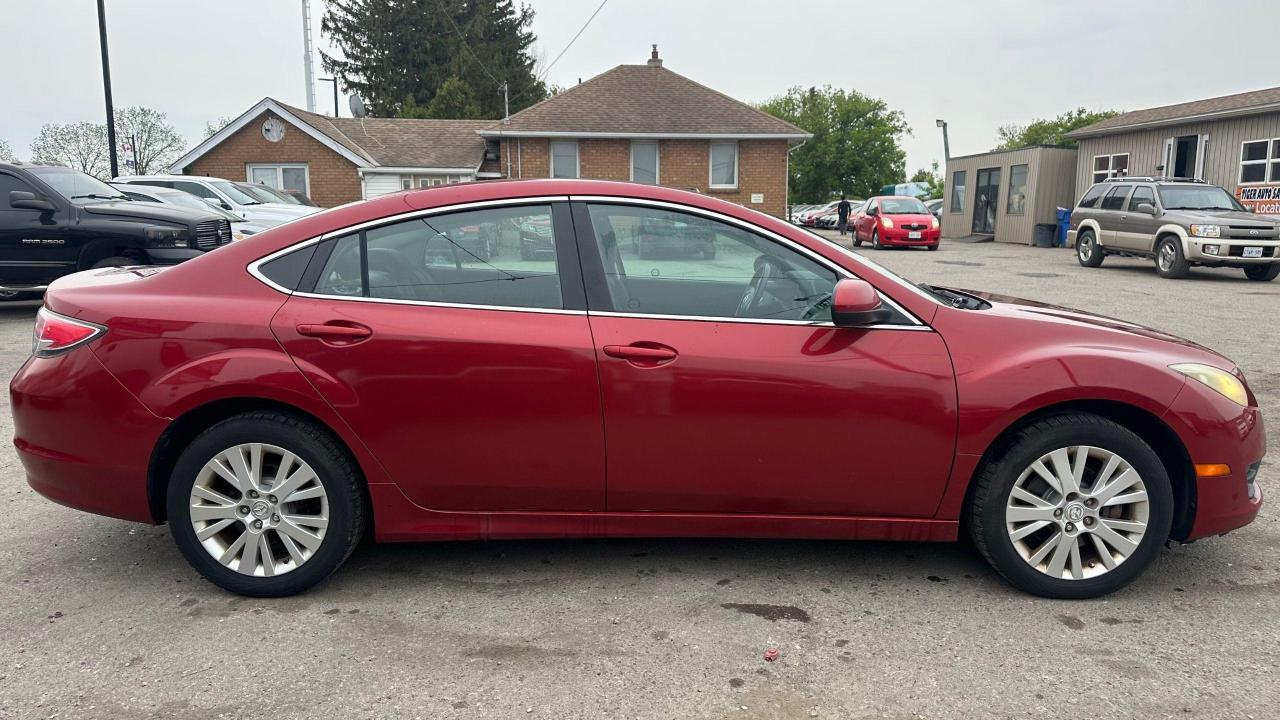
(1107, 436)
(341, 533)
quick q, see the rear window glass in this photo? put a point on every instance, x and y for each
(287, 270)
(1091, 196)
(1115, 199)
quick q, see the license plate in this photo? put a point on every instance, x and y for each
(915, 235)
(1253, 252)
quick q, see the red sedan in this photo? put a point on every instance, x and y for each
(364, 368)
(891, 221)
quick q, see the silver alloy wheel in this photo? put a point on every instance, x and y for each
(259, 509)
(1077, 512)
(1084, 248)
(1167, 255)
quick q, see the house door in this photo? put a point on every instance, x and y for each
(1184, 156)
(988, 199)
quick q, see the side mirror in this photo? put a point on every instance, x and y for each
(854, 303)
(220, 204)
(1147, 208)
(23, 200)
(873, 210)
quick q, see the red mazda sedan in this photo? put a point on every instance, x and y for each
(896, 222)
(366, 368)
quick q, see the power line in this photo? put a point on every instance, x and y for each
(547, 69)
(465, 45)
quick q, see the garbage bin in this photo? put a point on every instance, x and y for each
(1064, 222)
(1044, 234)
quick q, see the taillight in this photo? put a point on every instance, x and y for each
(56, 334)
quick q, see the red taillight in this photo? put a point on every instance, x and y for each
(56, 334)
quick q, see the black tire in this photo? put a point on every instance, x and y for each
(1263, 273)
(856, 241)
(985, 512)
(111, 262)
(1088, 253)
(875, 239)
(1170, 262)
(934, 247)
(337, 472)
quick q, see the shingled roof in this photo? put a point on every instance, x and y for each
(404, 142)
(643, 100)
(1248, 103)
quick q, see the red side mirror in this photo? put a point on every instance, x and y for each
(855, 303)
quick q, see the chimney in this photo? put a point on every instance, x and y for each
(654, 60)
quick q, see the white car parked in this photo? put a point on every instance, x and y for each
(225, 194)
(240, 228)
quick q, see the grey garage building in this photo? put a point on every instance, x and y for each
(1231, 141)
(1005, 193)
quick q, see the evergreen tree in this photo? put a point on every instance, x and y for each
(398, 54)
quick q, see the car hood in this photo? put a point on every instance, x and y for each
(148, 211)
(1033, 310)
(1219, 216)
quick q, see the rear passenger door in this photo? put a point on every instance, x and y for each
(1138, 228)
(1108, 215)
(469, 373)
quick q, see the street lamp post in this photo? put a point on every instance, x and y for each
(106, 89)
(335, 93)
(946, 144)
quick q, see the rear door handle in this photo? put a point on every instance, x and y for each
(332, 331)
(641, 353)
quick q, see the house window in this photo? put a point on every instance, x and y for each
(281, 177)
(1017, 203)
(564, 159)
(724, 165)
(644, 162)
(957, 191)
(1109, 166)
(406, 183)
(1260, 161)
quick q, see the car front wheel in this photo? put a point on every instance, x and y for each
(1087, 250)
(1263, 273)
(1170, 262)
(1073, 506)
(875, 239)
(265, 504)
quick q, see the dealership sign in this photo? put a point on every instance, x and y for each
(1262, 199)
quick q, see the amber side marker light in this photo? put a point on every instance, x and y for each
(1213, 470)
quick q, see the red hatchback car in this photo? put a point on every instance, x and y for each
(892, 221)
(362, 368)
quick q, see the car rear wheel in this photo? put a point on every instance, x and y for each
(1263, 273)
(1170, 262)
(265, 504)
(1073, 506)
(1087, 250)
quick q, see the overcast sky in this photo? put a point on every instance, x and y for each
(977, 64)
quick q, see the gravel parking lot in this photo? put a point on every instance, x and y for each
(102, 618)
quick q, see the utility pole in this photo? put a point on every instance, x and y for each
(946, 144)
(306, 56)
(506, 107)
(106, 88)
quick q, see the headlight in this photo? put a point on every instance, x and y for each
(166, 236)
(886, 221)
(934, 223)
(1223, 382)
(1206, 231)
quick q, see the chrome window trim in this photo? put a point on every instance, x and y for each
(757, 321)
(751, 227)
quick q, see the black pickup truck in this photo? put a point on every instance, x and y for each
(55, 221)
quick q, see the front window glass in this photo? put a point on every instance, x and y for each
(662, 262)
(494, 257)
(76, 186)
(902, 206)
(1197, 197)
(1141, 194)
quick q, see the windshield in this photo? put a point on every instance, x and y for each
(237, 195)
(76, 186)
(187, 200)
(1197, 197)
(903, 206)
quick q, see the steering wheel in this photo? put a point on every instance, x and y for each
(817, 306)
(767, 268)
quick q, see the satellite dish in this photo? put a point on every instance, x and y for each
(357, 106)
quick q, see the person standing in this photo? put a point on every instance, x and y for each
(842, 215)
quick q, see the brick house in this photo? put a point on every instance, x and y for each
(638, 123)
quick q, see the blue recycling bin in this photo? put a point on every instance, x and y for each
(1064, 222)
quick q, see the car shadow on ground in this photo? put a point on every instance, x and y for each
(19, 308)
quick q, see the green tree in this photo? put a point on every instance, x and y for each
(80, 146)
(454, 101)
(6, 152)
(212, 127)
(855, 146)
(401, 53)
(931, 177)
(147, 133)
(1049, 132)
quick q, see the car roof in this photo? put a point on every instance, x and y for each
(130, 178)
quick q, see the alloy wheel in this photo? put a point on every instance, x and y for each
(1167, 256)
(1077, 512)
(259, 509)
(1085, 248)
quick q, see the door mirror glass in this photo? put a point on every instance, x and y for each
(219, 204)
(1147, 208)
(22, 200)
(873, 210)
(855, 303)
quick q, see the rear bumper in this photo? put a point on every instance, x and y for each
(83, 439)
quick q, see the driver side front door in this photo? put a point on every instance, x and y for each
(727, 390)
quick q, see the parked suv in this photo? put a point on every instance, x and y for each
(1177, 222)
(228, 196)
(55, 221)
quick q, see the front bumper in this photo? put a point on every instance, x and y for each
(1230, 252)
(83, 439)
(902, 238)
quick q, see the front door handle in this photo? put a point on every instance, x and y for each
(333, 332)
(650, 354)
